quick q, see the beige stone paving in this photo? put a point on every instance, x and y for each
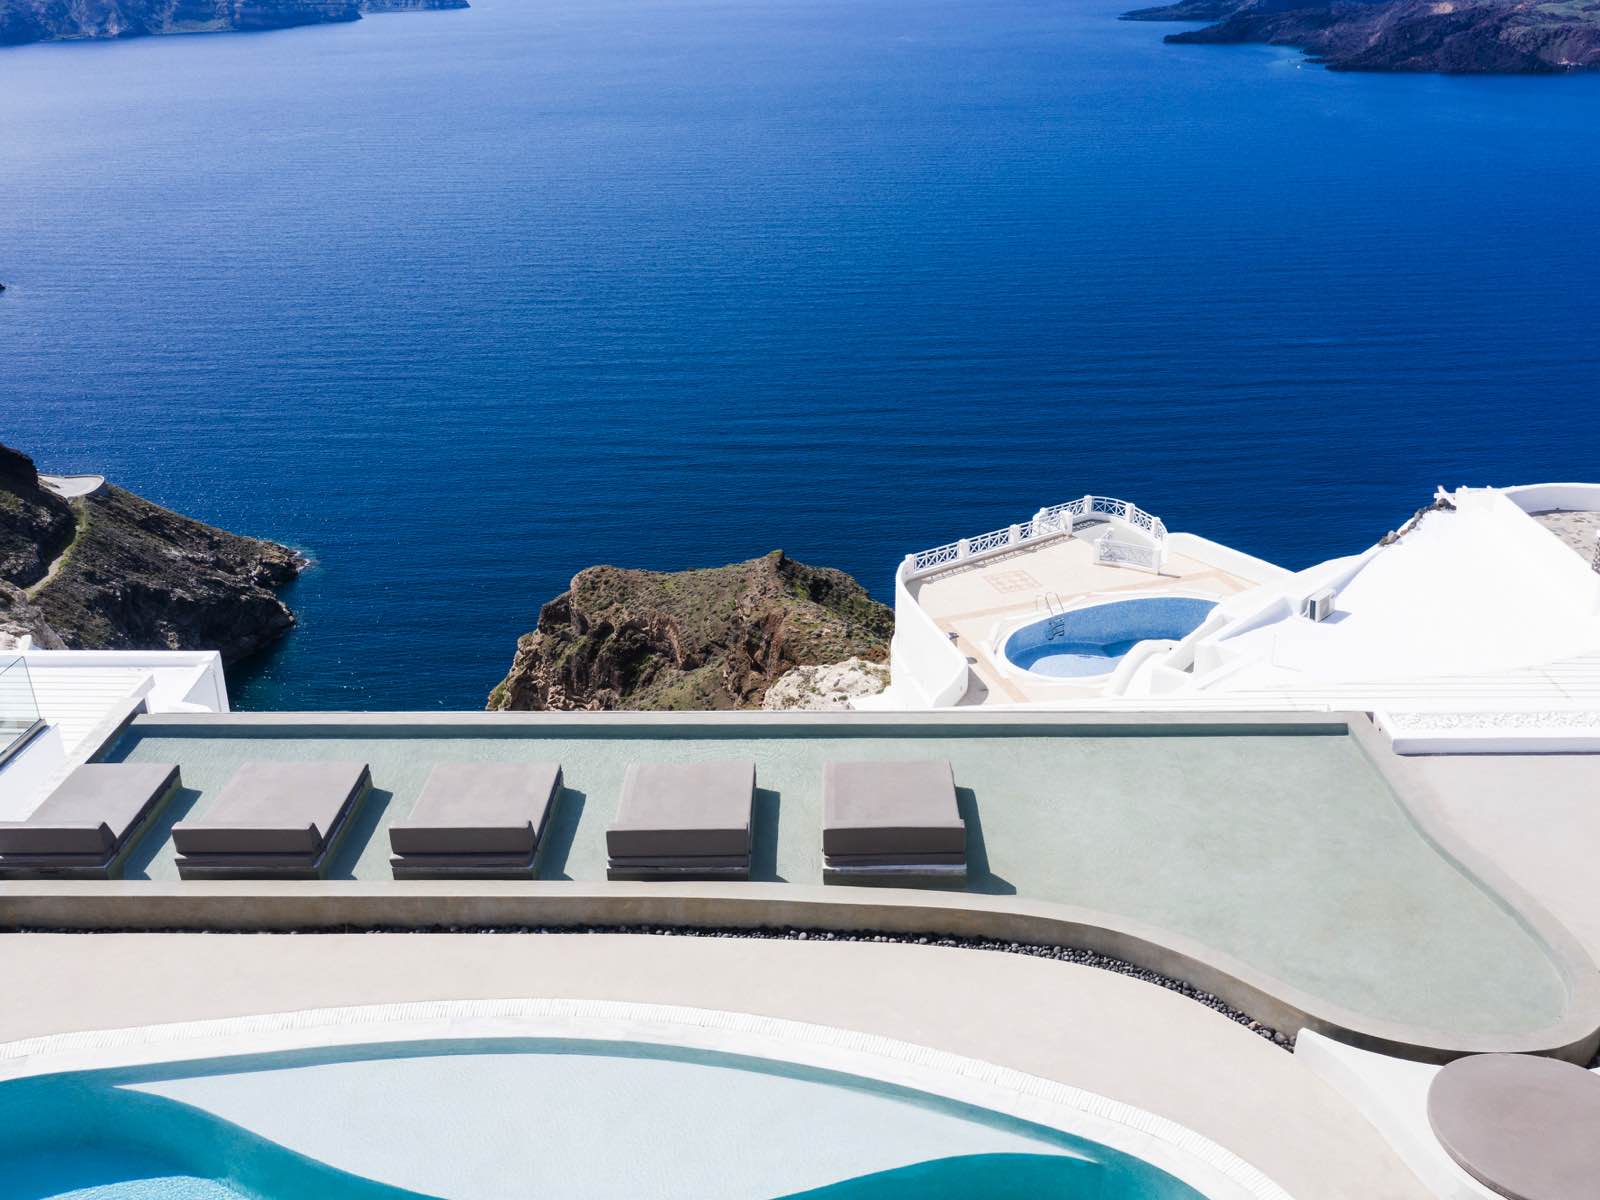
(1577, 529)
(1116, 1036)
(971, 601)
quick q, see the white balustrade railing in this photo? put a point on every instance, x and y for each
(1048, 522)
(1127, 554)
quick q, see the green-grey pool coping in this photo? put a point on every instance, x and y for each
(1567, 1021)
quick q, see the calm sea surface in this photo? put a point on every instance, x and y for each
(463, 302)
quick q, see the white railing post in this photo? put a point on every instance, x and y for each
(1013, 535)
(963, 548)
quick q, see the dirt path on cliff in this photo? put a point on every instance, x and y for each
(80, 514)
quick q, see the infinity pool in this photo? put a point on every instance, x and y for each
(1090, 641)
(1156, 825)
(530, 1117)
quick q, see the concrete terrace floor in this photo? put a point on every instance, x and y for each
(974, 600)
(1535, 816)
(1091, 1029)
(1288, 851)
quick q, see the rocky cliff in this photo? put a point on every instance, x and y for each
(112, 571)
(707, 639)
(51, 20)
(1450, 36)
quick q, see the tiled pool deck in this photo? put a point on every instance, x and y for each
(971, 601)
(1285, 848)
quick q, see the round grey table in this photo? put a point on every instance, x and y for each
(1525, 1127)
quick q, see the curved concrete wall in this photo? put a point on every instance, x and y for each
(923, 664)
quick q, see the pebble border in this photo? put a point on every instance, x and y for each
(1067, 954)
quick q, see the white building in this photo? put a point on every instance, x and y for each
(59, 708)
(1478, 623)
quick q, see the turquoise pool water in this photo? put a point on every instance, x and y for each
(975, 1177)
(1091, 641)
(530, 1117)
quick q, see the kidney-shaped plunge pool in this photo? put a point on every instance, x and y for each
(1090, 641)
(503, 1119)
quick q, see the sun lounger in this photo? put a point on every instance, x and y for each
(273, 819)
(476, 819)
(683, 820)
(86, 827)
(891, 821)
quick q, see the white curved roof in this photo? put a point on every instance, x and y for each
(1478, 588)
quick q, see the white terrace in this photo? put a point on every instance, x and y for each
(954, 603)
(1474, 628)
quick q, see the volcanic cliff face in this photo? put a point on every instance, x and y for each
(1450, 36)
(35, 524)
(50, 20)
(112, 571)
(708, 639)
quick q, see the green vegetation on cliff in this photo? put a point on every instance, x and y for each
(706, 639)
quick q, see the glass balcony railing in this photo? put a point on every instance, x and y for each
(19, 711)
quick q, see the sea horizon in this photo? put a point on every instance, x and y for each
(460, 303)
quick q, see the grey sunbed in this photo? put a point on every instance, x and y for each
(273, 819)
(683, 820)
(86, 827)
(892, 821)
(476, 819)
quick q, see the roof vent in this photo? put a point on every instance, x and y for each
(1319, 605)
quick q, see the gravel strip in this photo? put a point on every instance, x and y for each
(1082, 958)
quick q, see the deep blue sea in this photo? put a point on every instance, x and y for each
(463, 302)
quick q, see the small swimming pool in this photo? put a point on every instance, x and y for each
(1084, 642)
(510, 1118)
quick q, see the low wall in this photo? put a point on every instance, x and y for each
(923, 663)
(346, 906)
(1541, 497)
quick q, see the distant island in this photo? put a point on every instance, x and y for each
(23, 21)
(1447, 36)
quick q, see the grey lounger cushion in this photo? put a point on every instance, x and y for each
(479, 808)
(289, 808)
(899, 809)
(672, 810)
(682, 862)
(93, 812)
(931, 858)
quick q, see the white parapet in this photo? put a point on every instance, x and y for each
(925, 668)
(85, 697)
